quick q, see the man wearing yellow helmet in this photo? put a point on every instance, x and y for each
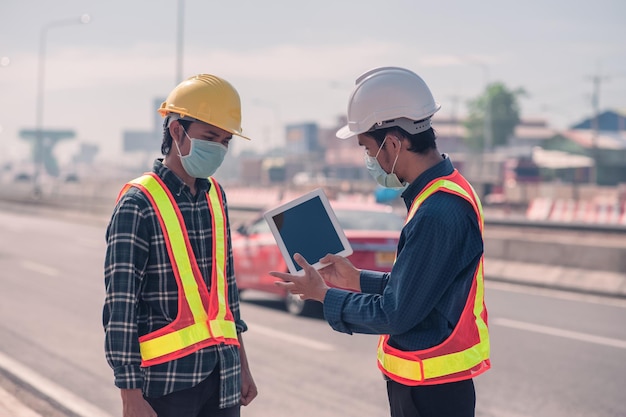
(171, 315)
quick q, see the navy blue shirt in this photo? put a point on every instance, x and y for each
(420, 301)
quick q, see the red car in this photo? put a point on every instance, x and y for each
(372, 229)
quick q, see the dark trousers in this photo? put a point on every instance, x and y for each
(456, 399)
(199, 401)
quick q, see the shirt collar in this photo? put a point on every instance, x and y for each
(441, 169)
(174, 182)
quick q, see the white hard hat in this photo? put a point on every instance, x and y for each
(385, 97)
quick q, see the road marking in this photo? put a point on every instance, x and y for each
(497, 412)
(556, 293)
(287, 337)
(42, 269)
(48, 388)
(8, 403)
(553, 331)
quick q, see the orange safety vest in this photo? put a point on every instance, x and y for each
(204, 318)
(465, 353)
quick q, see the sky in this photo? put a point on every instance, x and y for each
(296, 61)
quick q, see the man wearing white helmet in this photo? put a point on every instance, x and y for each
(429, 309)
(171, 315)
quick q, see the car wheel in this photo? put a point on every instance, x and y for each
(299, 307)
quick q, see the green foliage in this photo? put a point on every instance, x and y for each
(496, 112)
(561, 143)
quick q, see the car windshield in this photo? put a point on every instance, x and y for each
(369, 220)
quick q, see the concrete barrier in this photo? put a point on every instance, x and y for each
(577, 261)
(580, 254)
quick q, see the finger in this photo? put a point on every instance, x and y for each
(329, 259)
(282, 275)
(303, 262)
(248, 397)
(286, 285)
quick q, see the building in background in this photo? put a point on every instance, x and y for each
(145, 140)
(534, 154)
(603, 138)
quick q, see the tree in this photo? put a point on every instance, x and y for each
(493, 116)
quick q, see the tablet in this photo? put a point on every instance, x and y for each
(308, 226)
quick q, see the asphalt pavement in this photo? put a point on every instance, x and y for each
(18, 399)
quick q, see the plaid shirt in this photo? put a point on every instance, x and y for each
(142, 294)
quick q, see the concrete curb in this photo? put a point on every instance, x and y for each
(605, 283)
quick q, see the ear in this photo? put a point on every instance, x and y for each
(176, 130)
(394, 141)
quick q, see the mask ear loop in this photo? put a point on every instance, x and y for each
(397, 155)
(380, 147)
(176, 143)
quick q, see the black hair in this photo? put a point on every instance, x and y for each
(421, 142)
(166, 145)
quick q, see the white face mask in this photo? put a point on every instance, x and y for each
(378, 173)
(204, 157)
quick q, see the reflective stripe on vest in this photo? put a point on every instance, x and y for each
(204, 318)
(465, 353)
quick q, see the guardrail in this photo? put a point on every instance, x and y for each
(98, 198)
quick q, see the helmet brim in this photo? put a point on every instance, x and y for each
(170, 117)
(345, 133)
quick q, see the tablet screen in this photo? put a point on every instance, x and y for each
(307, 226)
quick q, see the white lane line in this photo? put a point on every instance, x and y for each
(298, 340)
(42, 269)
(498, 412)
(556, 293)
(64, 397)
(553, 331)
(10, 404)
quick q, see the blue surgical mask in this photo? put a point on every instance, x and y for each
(378, 173)
(204, 157)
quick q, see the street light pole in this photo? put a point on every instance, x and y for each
(179, 41)
(38, 146)
(487, 133)
(4, 62)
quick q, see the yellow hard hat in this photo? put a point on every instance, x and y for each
(207, 98)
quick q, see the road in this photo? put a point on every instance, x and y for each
(554, 354)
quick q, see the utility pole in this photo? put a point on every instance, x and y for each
(596, 81)
(179, 41)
